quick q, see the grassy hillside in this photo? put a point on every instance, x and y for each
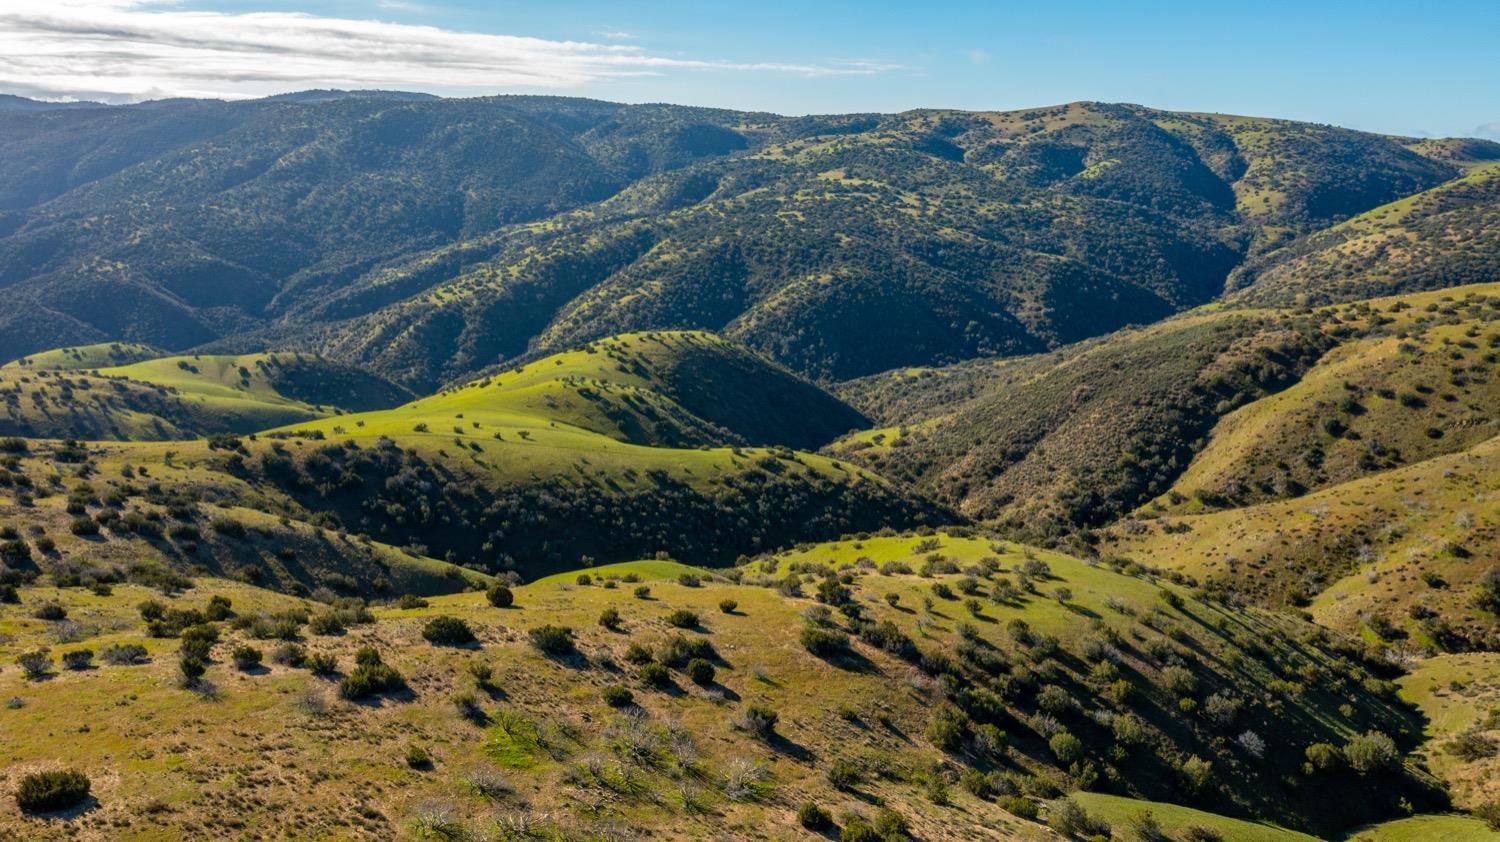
(1443, 237)
(86, 357)
(1459, 695)
(1215, 408)
(572, 457)
(935, 227)
(1133, 814)
(598, 453)
(663, 388)
(55, 395)
(1077, 438)
(951, 722)
(1412, 389)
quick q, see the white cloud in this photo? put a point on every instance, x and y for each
(978, 57)
(128, 50)
(617, 35)
(1488, 130)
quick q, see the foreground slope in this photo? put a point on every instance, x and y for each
(952, 722)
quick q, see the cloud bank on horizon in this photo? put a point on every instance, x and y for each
(132, 50)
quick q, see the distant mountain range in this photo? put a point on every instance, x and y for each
(428, 239)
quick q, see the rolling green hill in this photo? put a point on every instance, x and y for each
(86, 357)
(57, 394)
(619, 449)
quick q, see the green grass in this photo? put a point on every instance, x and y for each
(649, 570)
(85, 357)
(1118, 810)
(1426, 829)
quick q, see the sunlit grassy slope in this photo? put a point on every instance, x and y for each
(663, 388)
(1459, 694)
(83, 357)
(112, 392)
(1173, 819)
(536, 744)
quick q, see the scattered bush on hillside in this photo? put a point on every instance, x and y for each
(52, 790)
(814, 817)
(1370, 752)
(447, 631)
(551, 640)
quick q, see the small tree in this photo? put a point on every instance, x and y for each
(36, 664)
(1370, 752)
(500, 596)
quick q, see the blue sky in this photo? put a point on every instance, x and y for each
(1396, 67)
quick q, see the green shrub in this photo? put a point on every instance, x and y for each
(418, 758)
(191, 668)
(1019, 805)
(289, 654)
(1065, 746)
(447, 631)
(322, 663)
(813, 817)
(246, 657)
(683, 618)
(35, 664)
(610, 618)
(655, 675)
(758, 720)
(824, 642)
(643, 592)
(48, 791)
(700, 671)
(370, 677)
(411, 602)
(842, 774)
(50, 611)
(859, 830)
(78, 659)
(121, 654)
(617, 697)
(947, 727)
(728, 606)
(552, 640)
(218, 608)
(326, 623)
(1370, 752)
(891, 825)
(500, 596)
